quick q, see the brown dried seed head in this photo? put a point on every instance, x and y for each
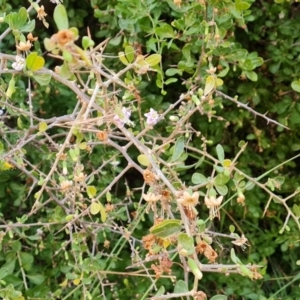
(63, 37)
(149, 177)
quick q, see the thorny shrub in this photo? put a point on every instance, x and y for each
(119, 168)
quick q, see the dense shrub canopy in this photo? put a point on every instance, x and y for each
(149, 149)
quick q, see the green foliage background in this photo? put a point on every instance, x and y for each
(268, 29)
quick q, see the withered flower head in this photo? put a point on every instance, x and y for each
(213, 204)
(63, 37)
(189, 201)
(200, 296)
(102, 135)
(241, 199)
(148, 241)
(24, 46)
(65, 185)
(41, 13)
(201, 247)
(151, 198)
(242, 242)
(31, 38)
(149, 177)
(165, 195)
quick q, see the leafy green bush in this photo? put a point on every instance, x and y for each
(124, 169)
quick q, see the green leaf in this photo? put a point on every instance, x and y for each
(87, 42)
(65, 71)
(209, 85)
(34, 62)
(11, 88)
(143, 160)
(173, 71)
(221, 179)
(43, 126)
(29, 27)
(165, 31)
(60, 17)
(91, 191)
(129, 52)
(36, 278)
(17, 20)
(296, 86)
(123, 58)
(296, 210)
(42, 79)
(198, 178)
(219, 297)
(195, 269)
(166, 228)
(171, 80)
(224, 72)
(95, 208)
(180, 287)
(222, 189)
(233, 257)
(186, 243)
(160, 292)
(153, 60)
(220, 153)
(242, 5)
(251, 75)
(67, 55)
(178, 149)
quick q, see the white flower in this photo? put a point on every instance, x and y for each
(152, 117)
(19, 63)
(123, 118)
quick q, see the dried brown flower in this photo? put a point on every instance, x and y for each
(102, 135)
(41, 13)
(151, 198)
(31, 38)
(189, 201)
(204, 248)
(148, 241)
(149, 177)
(24, 46)
(213, 204)
(242, 242)
(200, 296)
(63, 37)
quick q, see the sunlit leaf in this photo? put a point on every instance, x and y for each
(43, 126)
(91, 191)
(210, 84)
(60, 17)
(166, 228)
(143, 160)
(153, 59)
(34, 62)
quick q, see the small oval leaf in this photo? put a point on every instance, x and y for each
(153, 60)
(166, 228)
(198, 178)
(209, 85)
(60, 17)
(95, 208)
(194, 268)
(34, 62)
(143, 160)
(91, 191)
(42, 126)
(178, 149)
